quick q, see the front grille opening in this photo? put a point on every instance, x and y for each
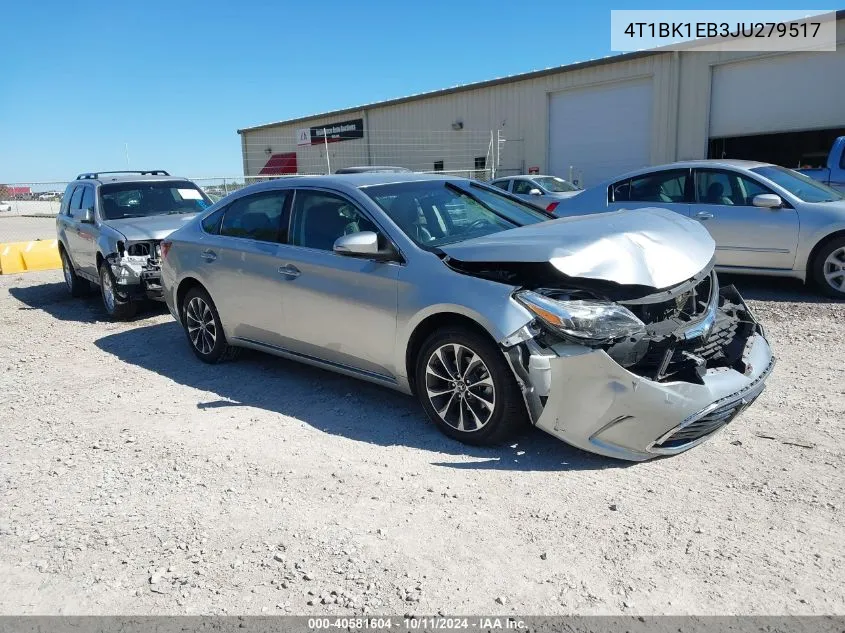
(139, 250)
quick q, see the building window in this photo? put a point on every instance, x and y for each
(481, 162)
(438, 165)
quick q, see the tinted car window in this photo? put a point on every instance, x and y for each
(319, 218)
(257, 217)
(663, 186)
(87, 197)
(523, 186)
(76, 200)
(211, 224)
(65, 208)
(726, 188)
(501, 184)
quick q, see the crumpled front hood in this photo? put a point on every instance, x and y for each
(643, 247)
(154, 227)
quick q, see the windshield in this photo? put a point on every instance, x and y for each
(555, 184)
(140, 199)
(438, 212)
(799, 185)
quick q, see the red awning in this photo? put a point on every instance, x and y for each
(279, 164)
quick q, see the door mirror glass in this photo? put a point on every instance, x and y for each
(86, 216)
(535, 192)
(767, 201)
(363, 244)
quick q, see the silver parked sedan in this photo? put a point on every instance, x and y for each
(545, 192)
(766, 220)
(609, 333)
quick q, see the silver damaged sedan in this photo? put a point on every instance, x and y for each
(608, 331)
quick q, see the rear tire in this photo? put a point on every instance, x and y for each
(204, 329)
(467, 388)
(828, 268)
(76, 286)
(118, 309)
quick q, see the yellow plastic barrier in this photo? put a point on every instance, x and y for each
(19, 257)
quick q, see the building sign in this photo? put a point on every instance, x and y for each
(303, 136)
(334, 132)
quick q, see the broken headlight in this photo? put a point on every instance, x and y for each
(588, 321)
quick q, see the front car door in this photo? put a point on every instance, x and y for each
(746, 236)
(86, 257)
(337, 308)
(239, 265)
(522, 188)
(668, 189)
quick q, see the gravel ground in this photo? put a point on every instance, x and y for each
(136, 480)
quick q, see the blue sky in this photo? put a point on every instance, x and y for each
(175, 80)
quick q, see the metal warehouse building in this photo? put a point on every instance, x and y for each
(588, 121)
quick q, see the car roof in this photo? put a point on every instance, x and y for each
(106, 177)
(689, 164)
(371, 168)
(349, 181)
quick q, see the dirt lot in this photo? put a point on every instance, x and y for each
(135, 479)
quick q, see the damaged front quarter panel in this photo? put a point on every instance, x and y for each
(136, 268)
(702, 360)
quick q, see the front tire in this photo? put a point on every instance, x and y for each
(467, 388)
(204, 329)
(829, 268)
(76, 286)
(118, 308)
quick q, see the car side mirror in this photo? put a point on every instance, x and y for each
(363, 244)
(86, 216)
(767, 201)
(535, 192)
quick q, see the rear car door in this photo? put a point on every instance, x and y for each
(238, 261)
(667, 189)
(745, 235)
(64, 221)
(337, 308)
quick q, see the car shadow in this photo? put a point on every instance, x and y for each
(331, 403)
(54, 299)
(759, 288)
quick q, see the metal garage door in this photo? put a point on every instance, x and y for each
(799, 91)
(600, 132)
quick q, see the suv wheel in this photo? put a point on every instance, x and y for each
(829, 268)
(203, 328)
(76, 286)
(117, 308)
(467, 389)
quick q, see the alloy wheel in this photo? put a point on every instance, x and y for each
(108, 291)
(460, 387)
(834, 269)
(201, 327)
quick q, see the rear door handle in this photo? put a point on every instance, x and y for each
(208, 255)
(289, 271)
(704, 215)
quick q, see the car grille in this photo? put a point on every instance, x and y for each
(710, 421)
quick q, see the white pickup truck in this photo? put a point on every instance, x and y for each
(833, 173)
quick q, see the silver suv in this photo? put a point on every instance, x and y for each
(609, 331)
(109, 229)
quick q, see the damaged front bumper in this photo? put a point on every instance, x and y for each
(584, 397)
(136, 270)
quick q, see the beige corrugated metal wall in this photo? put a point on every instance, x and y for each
(417, 132)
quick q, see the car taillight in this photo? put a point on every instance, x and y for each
(552, 206)
(165, 247)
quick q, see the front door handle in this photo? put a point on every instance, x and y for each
(208, 255)
(289, 271)
(703, 215)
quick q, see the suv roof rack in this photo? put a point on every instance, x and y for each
(95, 175)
